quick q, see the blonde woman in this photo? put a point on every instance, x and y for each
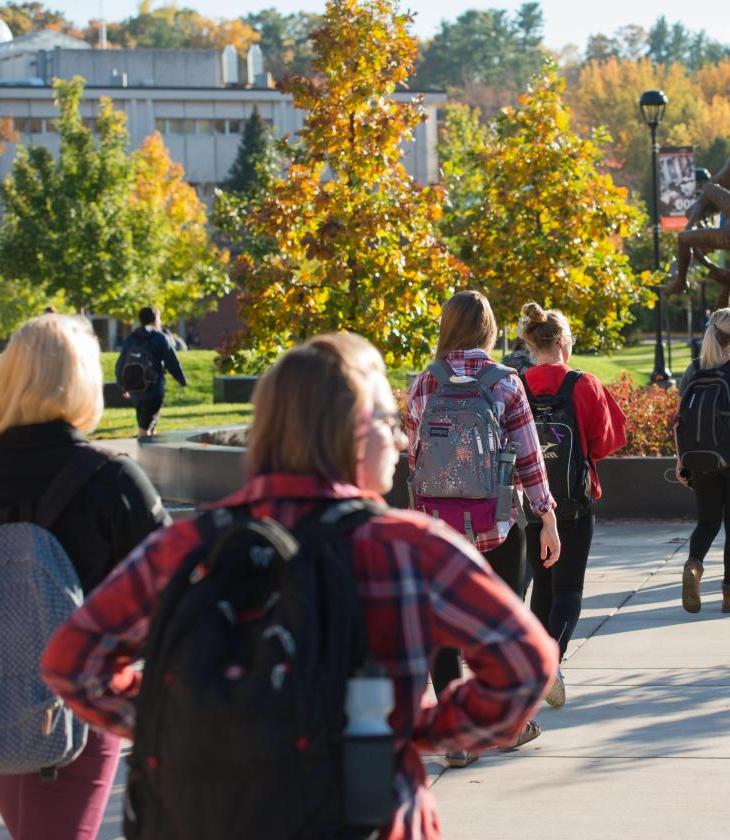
(51, 387)
(326, 428)
(711, 489)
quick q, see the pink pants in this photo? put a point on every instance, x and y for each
(69, 808)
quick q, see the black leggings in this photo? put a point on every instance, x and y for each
(557, 592)
(508, 562)
(712, 492)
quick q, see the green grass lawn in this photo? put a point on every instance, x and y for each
(193, 407)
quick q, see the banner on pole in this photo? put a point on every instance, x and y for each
(676, 185)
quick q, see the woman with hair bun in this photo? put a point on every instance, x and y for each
(565, 402)
(711, 489)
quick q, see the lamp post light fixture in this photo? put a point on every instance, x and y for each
(653, 104)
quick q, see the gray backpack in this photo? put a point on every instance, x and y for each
(458, 450)
(39, 589)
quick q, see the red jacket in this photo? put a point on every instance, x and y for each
(601, 423)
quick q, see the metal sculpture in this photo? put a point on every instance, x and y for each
(697, 239)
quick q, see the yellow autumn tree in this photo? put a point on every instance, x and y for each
(179, 267)
(354, 239)
(535, 218)
(607, 94)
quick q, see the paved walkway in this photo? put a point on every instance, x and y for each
(642, 748)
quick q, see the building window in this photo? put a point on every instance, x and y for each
(219, 126)
(174, 126)
(161, 125)
(203, 126)
(234, 126)
(51, 126)
(90, 123)
(188, 127)
(28, 125)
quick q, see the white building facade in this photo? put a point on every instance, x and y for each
(183, 94)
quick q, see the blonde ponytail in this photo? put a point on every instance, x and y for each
(716, 343)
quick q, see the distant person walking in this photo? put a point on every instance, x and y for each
(146, 355)
(579, 422)
(703, 452)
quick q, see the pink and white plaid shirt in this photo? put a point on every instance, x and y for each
(517, 424)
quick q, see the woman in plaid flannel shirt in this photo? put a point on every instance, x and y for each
(467, 334)
(326, 427)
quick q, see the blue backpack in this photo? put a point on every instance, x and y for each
(39, 589)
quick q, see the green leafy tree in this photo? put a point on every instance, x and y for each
(487, 47)
(65, 226)
(285, 40)
(356, 244)
(102, 228)
(535, 219)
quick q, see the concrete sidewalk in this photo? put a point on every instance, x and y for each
(641, 751)
(642, 747)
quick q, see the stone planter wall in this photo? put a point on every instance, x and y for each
(187, 470)
(233, 389)
(636, 488)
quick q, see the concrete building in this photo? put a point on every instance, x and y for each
(197, 99)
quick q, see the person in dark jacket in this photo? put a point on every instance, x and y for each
(160, 358)
(711, 489)
(51, 382)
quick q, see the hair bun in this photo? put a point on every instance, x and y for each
(534, 313)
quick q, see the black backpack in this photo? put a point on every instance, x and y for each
(139, 371)
(557, 429)
(703, 421)
(241, 713)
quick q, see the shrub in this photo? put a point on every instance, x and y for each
(650, 412)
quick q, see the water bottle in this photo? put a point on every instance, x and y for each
(505, 482)
(368, 750)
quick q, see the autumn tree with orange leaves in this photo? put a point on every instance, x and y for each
(355, 237)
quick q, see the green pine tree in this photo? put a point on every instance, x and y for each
(255, 164)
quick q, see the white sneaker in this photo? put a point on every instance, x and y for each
(556, 696)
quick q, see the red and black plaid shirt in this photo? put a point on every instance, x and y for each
(422, 586)
(517, 424)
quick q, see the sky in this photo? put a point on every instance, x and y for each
(566, 21)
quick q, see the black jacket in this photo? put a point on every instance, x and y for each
(163, 356)
(111, 514)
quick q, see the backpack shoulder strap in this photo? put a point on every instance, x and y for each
(441, 371)
(489, 375)
(568, 384)
(82, 465)
(528, 390)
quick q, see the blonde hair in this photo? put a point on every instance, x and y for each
(541, 328)
(716, 342)
(467, 322)
(51, 370)
(308, 405)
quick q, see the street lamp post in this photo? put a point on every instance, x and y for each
(653, 103)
